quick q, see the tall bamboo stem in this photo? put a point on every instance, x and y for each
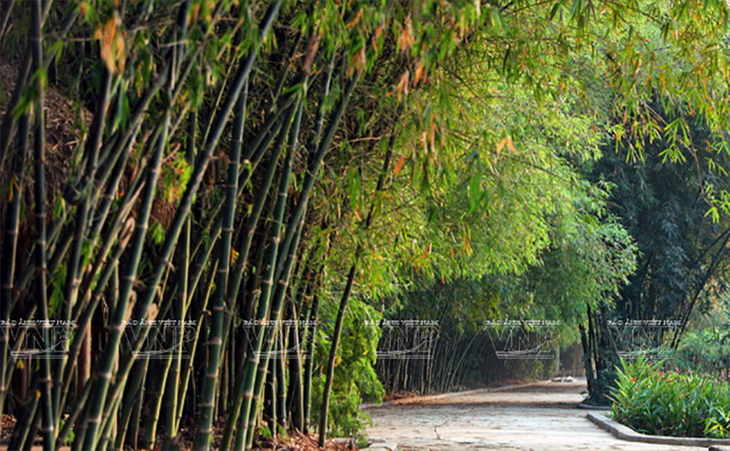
(345, 297)
(39, 146)
(10, 243)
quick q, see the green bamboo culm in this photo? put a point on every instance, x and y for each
(180, 309)
(39, 155)
(129, 277)
(276, 301)
(342, 310)
(207, 406)
(73, 276)
(205, 422)
(256, 152)
(173, 233)
(254, 362)
(252, 359)
(10, 248)
(266, 308)
(249, 231)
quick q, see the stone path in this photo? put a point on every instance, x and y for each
(541, 416)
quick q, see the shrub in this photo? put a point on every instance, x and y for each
(651, 401)
(355, 380)
(708, 349)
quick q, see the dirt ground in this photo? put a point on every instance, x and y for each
(540, 416)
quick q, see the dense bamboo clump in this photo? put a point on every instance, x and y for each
(203, 202)
(202, 130)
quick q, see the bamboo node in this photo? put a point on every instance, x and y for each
(107, 376)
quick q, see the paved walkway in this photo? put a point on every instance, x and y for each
(541, 416)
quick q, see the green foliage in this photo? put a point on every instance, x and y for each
(56, 299)
(175, 177)
(455, 181)
(663, 206)
(705, 350)
(653, 402)
(158, 232)
(355, 378)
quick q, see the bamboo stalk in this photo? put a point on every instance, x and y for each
(282, 276)
(322, 148)
(216, 342)
(39, 144)
(179, 309)
(261, 196)
(10, 243)
(280, 382)
(26, 425)
(296, 382)
(156, 404)
(141, 336)
(345, 297)
(245, 429)
(268, 299)
(104, 373)
(73, 272)
(201, 165)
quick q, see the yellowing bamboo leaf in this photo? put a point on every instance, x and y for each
(14, 186)
(399, 165)
(419, 73)
(500, 145)
(152, 312)
(194, 12)
(467, 246)
(209, 10)
(357, 62)
(355, 20)
(376, 35)
(511, 144)
(311, 52)
(112, 44)
(405, 39)
(402, 88)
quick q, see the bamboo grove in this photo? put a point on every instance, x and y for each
(245, 183)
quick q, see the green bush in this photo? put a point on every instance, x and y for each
(355, 379)
(707, 349)
(651, 401)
